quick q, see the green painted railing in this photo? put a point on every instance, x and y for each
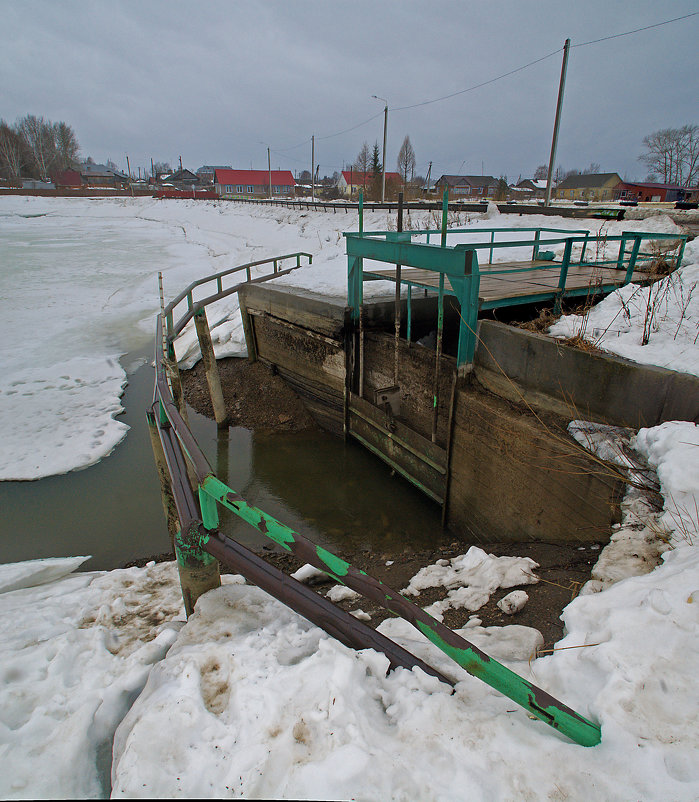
(458, 265)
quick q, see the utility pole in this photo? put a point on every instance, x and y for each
(383, 166)
(313, 167)
(152, 170)
(385, 128)
(269, 169)
(557, 123)
(180, 163)
(427, 180)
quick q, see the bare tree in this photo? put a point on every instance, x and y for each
(593, 169)
(39, 137)
(542, 171)
(67, 147)
(11, 152)
(406, 160)
(673, 154)
(363, 162)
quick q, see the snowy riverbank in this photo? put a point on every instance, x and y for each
(247, 699)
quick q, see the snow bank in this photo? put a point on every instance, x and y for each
(471, 579)
(76, 651)
(668, 312)
(251, 700)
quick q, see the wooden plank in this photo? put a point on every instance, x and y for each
(541, 280)
(418, 459)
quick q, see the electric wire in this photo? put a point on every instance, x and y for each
(491, 80)
(636, 30)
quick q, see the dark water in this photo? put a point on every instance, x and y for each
(337, 494)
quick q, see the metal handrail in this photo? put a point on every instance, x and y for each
(173, 330)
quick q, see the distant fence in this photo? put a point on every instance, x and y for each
(436, 205)
(84, 192)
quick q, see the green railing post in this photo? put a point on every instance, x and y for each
(563, 277)
(584, 248)
(445, 212)
(361, 212)
(632, 258)
(466, 289)
(355, 285)
(492, 240)
(535, 249)
(622, 253)
(410, 313)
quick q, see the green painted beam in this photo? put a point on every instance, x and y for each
(476, 662)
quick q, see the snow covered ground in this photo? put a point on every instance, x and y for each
(103, 684)
(81, 290)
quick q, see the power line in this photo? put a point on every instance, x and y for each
(354, 127)
(478, 86)
(636, 30)
(491, 80)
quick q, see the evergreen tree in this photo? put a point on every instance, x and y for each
(376, 179)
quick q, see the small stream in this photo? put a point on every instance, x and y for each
(333, 492)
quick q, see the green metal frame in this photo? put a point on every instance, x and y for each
(460, 266)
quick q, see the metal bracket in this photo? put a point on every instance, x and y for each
(388, 399)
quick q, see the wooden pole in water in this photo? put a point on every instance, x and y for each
(440, 323)
(396, 323)
(169, 508)
(210, 367)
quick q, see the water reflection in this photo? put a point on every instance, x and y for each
(333, 492)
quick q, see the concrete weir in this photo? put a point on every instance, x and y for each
(492, 447)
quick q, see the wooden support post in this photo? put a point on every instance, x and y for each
(169, 508)
(210, 367)
(438, 359)
(249, 330)
(361, 351)
(173, 372)
(199, 571)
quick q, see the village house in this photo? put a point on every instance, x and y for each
(68, 179)
(99, 175)
(253, 183)
(182, 179)
(588, 187)
(351, 182)
(206, 172)
(649, 191)
(529, 188)
(476, 187)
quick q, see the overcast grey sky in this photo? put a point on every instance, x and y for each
(214, 82)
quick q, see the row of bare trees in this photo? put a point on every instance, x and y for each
(36, 148)
(672, 155)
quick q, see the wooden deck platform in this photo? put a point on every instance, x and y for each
(525, 280)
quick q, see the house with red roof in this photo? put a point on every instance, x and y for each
(352, 181)
(253, 183)
(653, 191)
